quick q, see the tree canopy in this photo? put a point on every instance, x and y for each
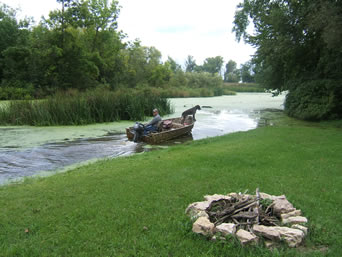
(78, 47)
(299, 50)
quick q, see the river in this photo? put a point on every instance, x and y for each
(28, 151)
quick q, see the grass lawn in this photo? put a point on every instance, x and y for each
(134, 206)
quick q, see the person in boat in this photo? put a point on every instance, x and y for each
(153, 124)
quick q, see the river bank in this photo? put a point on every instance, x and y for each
(27, 151)
(134, 206)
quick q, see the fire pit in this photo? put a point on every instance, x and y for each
(249, 218)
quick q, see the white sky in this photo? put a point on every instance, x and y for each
(177, 28)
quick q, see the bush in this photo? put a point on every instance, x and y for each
(244, 87)
(315, 100)
(16, 93)
(228, 92)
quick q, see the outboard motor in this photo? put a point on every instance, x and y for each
(138, 131)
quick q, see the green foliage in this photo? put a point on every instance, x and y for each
(191, 84)
(79, 47)
(315, 100)
(75, 108)
(203, 80)
(174, 66)
(231, 74)
(190, 64)
(247, 73)
(230, 66)
(213, 65)
(296, 45)
(16, 92)
(244, 87)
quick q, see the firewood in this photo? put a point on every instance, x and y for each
(245, 215)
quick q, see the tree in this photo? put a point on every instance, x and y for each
(297, 50)
(213, 65)
(190, 64)
(82, 44)
(247, 73)
(230, 66)
(174, 66)
(231, 74)
(15, 55)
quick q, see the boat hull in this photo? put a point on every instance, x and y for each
(177, 130)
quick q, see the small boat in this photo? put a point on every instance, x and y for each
(176, 129)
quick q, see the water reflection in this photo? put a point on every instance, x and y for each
(73, 145)
(219, 122)
(49, 157)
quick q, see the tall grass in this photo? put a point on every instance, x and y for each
(74, 108)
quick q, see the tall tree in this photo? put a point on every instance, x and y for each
(84, 35)
(247, 72)
(231, 74)
(297, 50)
(190, 64)
(14, 49)
(174, 66)
(213, 65)
(231, 66)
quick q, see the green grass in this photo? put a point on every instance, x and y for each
(244, 87)
(74, 108)
(134, 206)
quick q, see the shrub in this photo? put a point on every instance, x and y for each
(16, 93)
(244, 87)
(315, 100)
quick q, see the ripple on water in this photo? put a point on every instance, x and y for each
(26, 151)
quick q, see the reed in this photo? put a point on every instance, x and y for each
(74, 108)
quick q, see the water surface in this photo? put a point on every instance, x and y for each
(27, 151)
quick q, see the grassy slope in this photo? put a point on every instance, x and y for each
(135, 206)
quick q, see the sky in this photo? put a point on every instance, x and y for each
(177, 28)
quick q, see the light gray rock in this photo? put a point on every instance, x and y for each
(293, 237)
(226, 228)
(246, 237)
(282, 205)
(216, 197)
(269, 232)
(200, 214)
(197, 209)
(194, 210)
(279, 197)
(233, 195)
(295, 220)
(291, 214)
(271, 197)
(203, 226)
(302, 228)
(266, 196)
